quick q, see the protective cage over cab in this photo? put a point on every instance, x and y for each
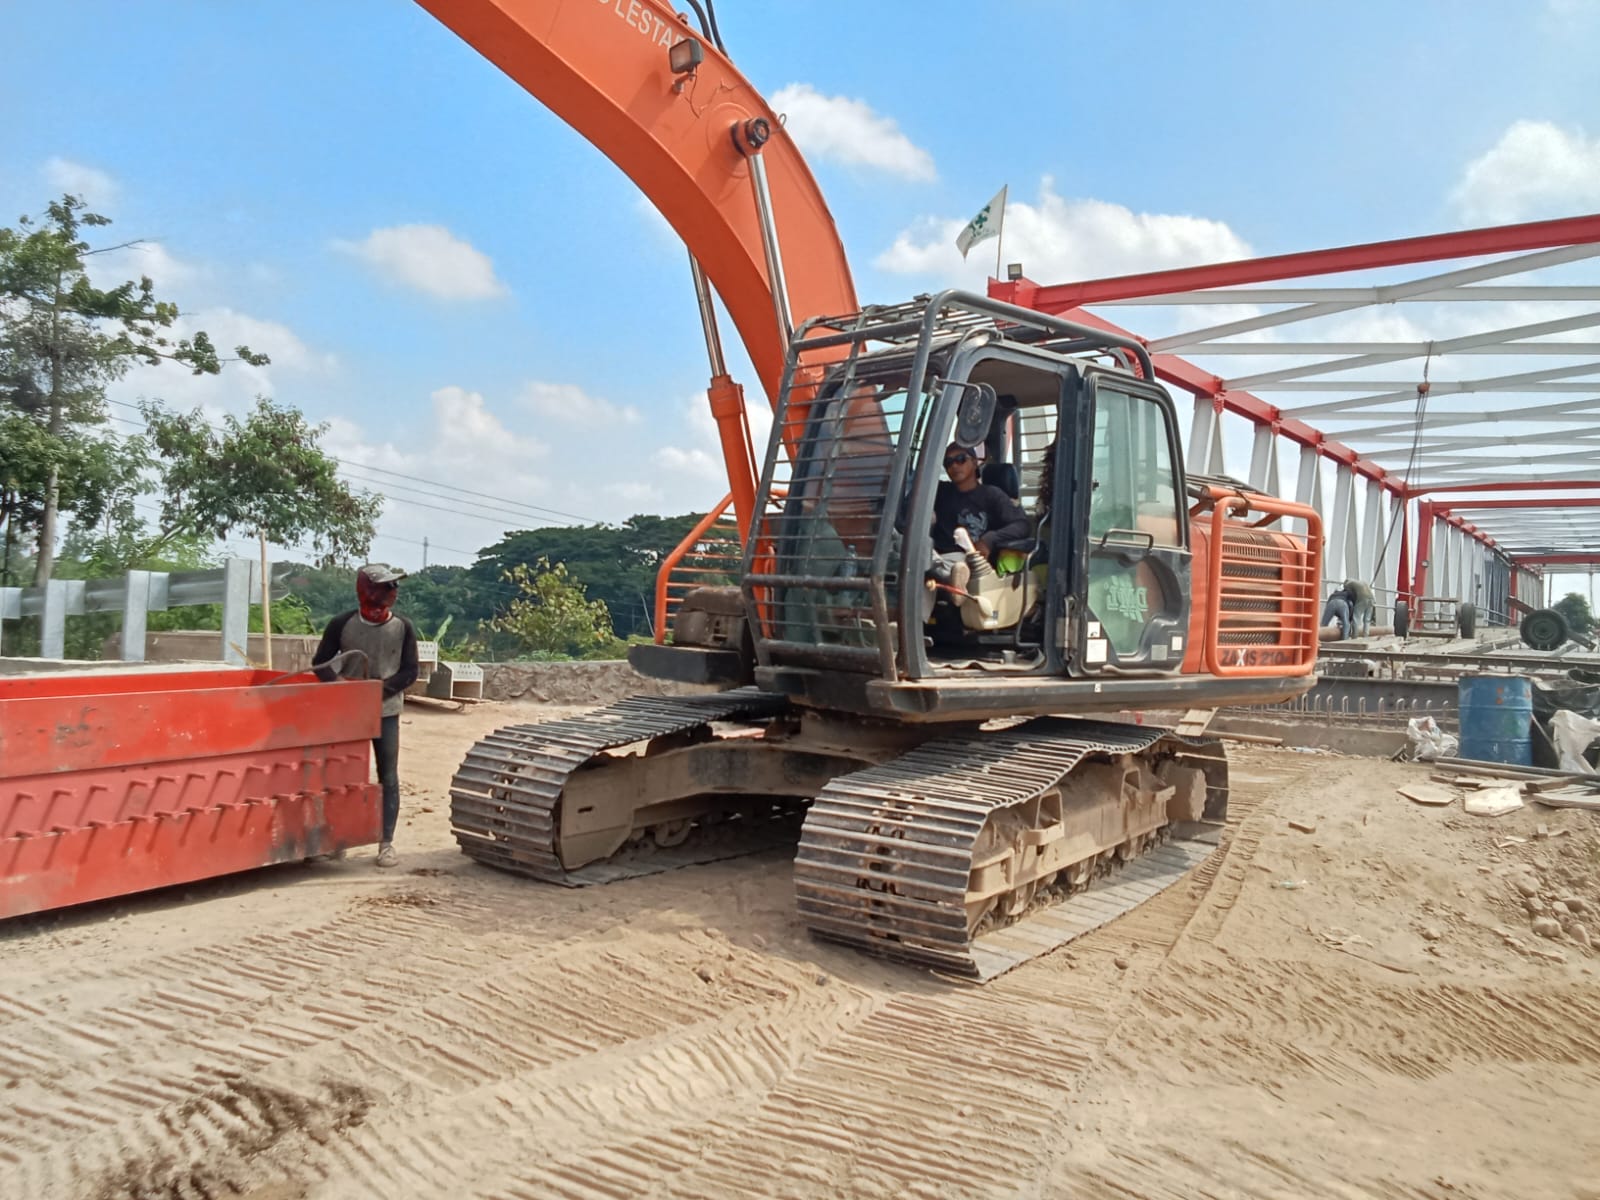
(1130, 585)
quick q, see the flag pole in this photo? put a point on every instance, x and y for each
(1000, 233)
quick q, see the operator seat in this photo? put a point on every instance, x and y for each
(1004, 476)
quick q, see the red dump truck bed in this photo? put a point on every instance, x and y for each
(117, 781)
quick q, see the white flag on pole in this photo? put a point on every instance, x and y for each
(985, 225)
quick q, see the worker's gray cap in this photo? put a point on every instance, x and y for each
(382, 573)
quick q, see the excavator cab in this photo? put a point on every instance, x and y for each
(844, 589)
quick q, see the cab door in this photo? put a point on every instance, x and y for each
(1133, 586)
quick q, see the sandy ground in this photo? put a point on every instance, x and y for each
(1358, 1011)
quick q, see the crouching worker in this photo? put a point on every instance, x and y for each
(388, 651)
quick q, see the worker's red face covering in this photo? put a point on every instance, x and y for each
(375, 599)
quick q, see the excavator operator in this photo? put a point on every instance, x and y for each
(990, 518)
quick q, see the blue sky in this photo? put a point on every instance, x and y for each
(472, 294)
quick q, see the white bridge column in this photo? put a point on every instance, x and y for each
(1201, 432)
(1373, 531)
(1390, 558)
(1341, 545)
(1306, 489)
(1264, 461)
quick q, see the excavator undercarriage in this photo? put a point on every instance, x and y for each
(945, 846)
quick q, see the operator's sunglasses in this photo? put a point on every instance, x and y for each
(955, 460)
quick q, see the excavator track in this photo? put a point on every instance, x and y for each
(505, 798)
(892, 856)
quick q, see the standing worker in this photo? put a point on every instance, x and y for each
(388, 651)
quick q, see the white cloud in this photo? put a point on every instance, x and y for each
(239, 383)
(633, 493)
(1057, 239)
(694, 461)
(568, 404)
(700, 457)
(1568, 19)
(659, 230)
(166, 270)
(461, 444)
(850, 132)
(92, 184)
(228, 328)
(463, 423)
(430, 259)
(464, 470)
(1536, 169)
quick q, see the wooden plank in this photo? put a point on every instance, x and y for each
(1194, 721)
(1487, 768)
(1570, 798)
(1424, 793)
(1255, 739)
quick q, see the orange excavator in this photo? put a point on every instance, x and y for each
(942, 728)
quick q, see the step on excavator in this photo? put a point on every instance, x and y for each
(945, 747)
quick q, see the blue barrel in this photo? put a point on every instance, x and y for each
(1496, 718)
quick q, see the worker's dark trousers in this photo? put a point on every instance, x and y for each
(386, 747)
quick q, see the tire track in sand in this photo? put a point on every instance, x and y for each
(145, 1036)
(479, 1050)
(941, 1094)
(462, 1076)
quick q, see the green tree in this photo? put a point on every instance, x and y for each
(1574, 606)
(326, 591)
(618, 563)
(266, 473)
(61, 341)
(548, 617)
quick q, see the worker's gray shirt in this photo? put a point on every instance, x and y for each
(390, 650)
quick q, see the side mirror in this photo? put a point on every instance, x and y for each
(975, 415)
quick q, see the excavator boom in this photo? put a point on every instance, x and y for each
(603, 67)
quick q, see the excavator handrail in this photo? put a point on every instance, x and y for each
(671, 574)
(1298, 597)
(665, 576)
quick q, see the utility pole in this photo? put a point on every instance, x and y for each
(424, 552)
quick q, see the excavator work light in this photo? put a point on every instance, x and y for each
(685, 56)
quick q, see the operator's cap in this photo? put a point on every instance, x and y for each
(382, 573)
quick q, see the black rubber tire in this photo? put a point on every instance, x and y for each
(1545, 629)
(1402, 619)
(1467, 619)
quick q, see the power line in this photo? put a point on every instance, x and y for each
(500, 517)
(505, 500)
(428, 544)
(388, 488)
(469, 492)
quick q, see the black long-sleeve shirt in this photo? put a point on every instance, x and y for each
(391, 650)
(985, 511)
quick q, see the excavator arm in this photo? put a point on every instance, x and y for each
(690, 140)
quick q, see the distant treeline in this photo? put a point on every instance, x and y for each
(616, 564)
